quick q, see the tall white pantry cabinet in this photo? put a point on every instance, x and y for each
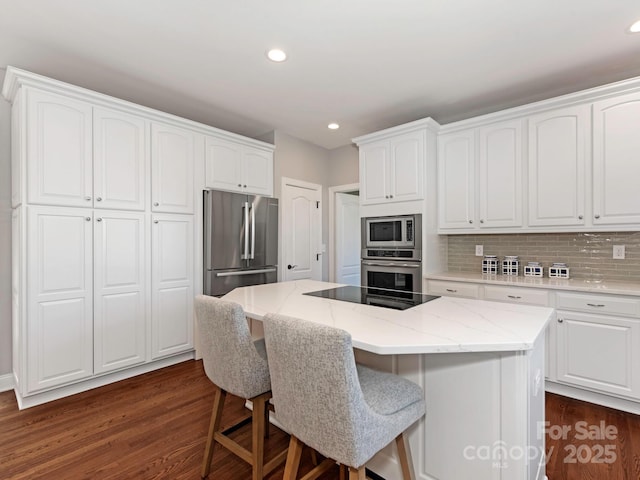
(103, 239)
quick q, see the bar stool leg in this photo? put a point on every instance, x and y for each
(404, 454)
(258, 430)
(293, 459)
(214, 426)
(357, 473)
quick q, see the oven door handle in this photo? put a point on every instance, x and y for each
(391, 264)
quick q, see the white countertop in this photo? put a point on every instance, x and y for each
(442, 325)
(578, 285)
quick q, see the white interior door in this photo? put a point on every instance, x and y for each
(347, 239)
(301, 231)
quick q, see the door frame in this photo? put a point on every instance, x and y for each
(300, 184)
(332, 224)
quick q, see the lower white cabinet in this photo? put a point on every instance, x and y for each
(599, 352)
(59, 317)
(120, 279)
(172, 284)
(453, 289)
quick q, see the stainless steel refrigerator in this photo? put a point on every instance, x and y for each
(240, 241)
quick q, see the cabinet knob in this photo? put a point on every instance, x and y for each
(386, 196)
(98, 199)
(481, 221)
(155, 221)
(99, 219)
(470, 221)
(240, 185)
(88, 219)
(579, 217)
(88, 199)
(597, 216)
(156, 204)
(244, 186)
(560, 320)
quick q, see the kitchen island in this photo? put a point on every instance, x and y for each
(480, 363)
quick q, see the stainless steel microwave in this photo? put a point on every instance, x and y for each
(391, 232)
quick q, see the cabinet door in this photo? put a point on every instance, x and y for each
(373, 173)
(172, 284)
(59, 327)
(119, 295)
(120, 159)
(500, 175)
(406, 167)
(599, 352)
(257, 172)
(172, 152)
(456, 180)
(223, 167)
(58, 150)
(558, 151)
(616, 169)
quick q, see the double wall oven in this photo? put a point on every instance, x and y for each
(392, 253)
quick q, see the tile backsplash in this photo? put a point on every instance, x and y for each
(588, 255)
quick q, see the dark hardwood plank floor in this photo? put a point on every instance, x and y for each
(154, 426)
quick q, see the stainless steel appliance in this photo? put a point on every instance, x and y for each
(390, 232)
(240, 241)
(392, 253)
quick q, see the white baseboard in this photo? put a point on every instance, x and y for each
(6, 382)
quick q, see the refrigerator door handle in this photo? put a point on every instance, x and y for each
(253, 232)
(207, 231)
(245, 272)
(245, 227)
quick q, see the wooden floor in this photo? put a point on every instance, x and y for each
(153, 427)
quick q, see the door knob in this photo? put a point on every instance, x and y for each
(291, 267)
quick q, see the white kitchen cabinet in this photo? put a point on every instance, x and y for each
(59, 317)
(172, 166)
(238, 168)
(558, 155)
(456, 180)
(527, 296)
(120, 280)
(120, 147)
(453, 289)
(500, 175)
(172, 284)
(58, 145)
(392, 170)
(480, 177)
(599, 352)
(616, 169)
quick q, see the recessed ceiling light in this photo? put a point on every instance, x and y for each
(333, 126)
(635, 28)
(276, 55)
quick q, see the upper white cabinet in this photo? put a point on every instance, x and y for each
(172, 164)
(480, 177)
(238, 168)
(120, 148)
(392, 170)
(616, 169)
(558, 153)
(58, 144)
(456, 180)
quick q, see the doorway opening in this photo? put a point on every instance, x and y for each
(344, 234)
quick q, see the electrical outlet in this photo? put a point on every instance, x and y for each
(479, 250)
(618, 252)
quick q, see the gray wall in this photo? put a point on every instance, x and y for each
(5, 236)
(343, 166)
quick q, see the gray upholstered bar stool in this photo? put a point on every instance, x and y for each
(237, 365)
(344, 411)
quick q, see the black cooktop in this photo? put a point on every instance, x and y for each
(379, 297)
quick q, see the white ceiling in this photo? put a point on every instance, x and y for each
(367, 64)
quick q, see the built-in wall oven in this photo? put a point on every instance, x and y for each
(392, 253)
